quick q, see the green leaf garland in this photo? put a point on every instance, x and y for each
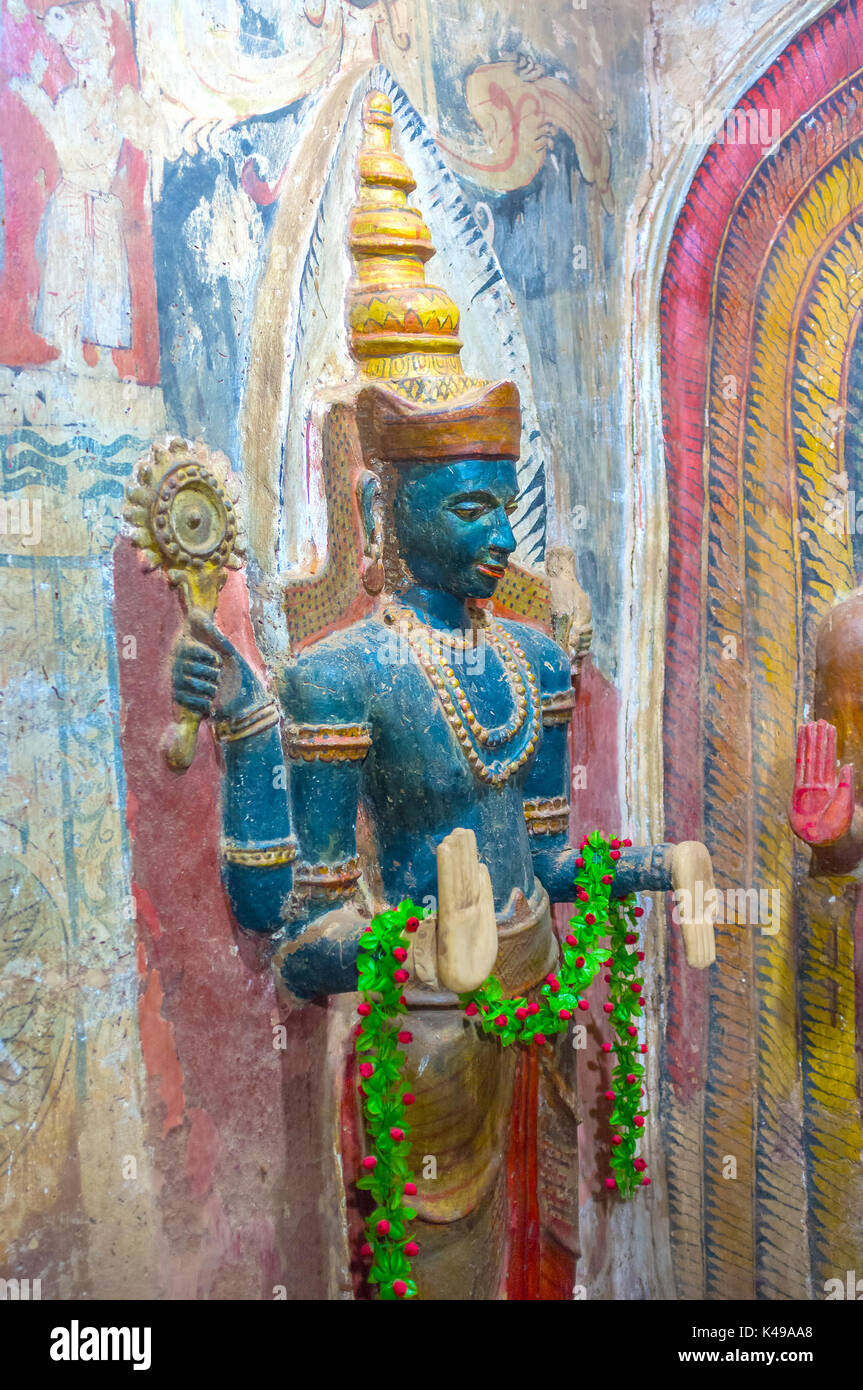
(381, 1036)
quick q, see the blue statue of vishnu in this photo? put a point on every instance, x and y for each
(427, 748)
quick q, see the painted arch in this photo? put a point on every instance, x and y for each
(761, 382)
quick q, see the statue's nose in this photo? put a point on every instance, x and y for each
(503, 540)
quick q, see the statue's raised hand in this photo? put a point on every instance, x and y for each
(695, 901)
(822, 804)
(466, 921)
(210, 678)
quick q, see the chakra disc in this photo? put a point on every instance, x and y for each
(193, 517)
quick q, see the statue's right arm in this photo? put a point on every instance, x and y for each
(324, 696)
(298, 889)
(212, 679)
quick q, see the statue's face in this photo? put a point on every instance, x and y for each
(452, 523)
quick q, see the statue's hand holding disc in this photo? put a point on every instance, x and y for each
(184, 522)
(466, 922)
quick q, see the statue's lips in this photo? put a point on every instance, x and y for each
(496, 571)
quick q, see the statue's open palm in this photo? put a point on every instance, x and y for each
(466, 921)
(822, 804)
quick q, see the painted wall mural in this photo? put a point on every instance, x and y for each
(679, 315)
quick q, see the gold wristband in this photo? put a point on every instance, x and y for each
(259, 856)
(255, 721)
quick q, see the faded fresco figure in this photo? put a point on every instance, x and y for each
(85, 301)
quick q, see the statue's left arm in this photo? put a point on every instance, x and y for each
(639, 868)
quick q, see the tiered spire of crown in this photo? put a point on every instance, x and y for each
(400, 326)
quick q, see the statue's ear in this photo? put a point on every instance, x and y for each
(369, 500)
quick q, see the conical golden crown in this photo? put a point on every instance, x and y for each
(403, 330)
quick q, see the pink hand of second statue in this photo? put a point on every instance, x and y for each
(822, 806)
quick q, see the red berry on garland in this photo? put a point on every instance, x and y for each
(643, 1047)
(635, 987)
(608, 1008)
(639, 1164)
(402, 1000)
(585, 842)
(583, 1004)
(412, 924)
(565, 1013)
(579, 863)
(408, 1098)
(364, 930)
(638, 912)
(521, 1013)
(631, 938)
(367, 1251)
(609, 1095)
(370, 1163)
(533, 1008)
(471, 1009)
(400, 1288)
(628, 843)
(400, 953)
(606, 1047)
(581, 894)
(358, 1031)
(610, 1184)
(616, 1139)
(383, 1227)
(614, 854)
(640, 955)
(501, 1020)
(610, 961)
(579, 960)
(645, 1182)
(364, 1010)
(412, 1249)
(571, 941)
(367, 1068)
(608, 979)
(589, 918)
(410, 1189)
(362, 1091)
(638, 1120)
(608, 878)
(405, 1037)
(400, 976)
(630, 1080)
(615, 844)
(539, 1039)
(397, 1134)
(632, 1030)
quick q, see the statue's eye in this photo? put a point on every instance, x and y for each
(511, 507)
(469, 511)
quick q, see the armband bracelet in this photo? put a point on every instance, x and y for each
(328, 880)
(264, 856)
(546, 815)
(254, 721)
(328, 742)
(557, 708)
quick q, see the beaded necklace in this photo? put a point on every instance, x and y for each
(474, 736)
